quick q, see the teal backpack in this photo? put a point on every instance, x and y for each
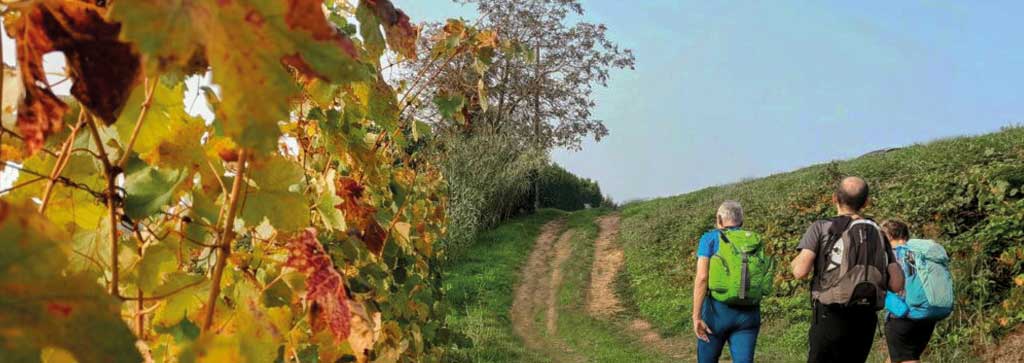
(928, 292)
(740, 274)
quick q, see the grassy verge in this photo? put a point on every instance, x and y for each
(967, 193)
(480, 288)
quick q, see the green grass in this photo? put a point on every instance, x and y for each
(479, 289)
(965, 192)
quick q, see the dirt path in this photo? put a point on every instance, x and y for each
(1011, 349)
(603, 302)
(537, 292)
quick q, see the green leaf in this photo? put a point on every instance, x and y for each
(332, 217)
(377, 102)
(369, 29)
(276, 195)
(204, 206)
(157, 261)
(89, 248)
(166, 108)
(450, 107)
(278, 294)
(248, 44)
(420, 130)
(150, 189)
(183, 332)
(179, 305)
(40, 306)
(73, 209)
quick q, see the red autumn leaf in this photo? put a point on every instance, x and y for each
(325, 289)
(307, 15)
(360, 214)
(401, 33)
(102, 68)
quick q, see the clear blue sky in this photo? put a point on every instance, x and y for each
(728, 91)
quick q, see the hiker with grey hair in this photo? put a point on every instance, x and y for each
(732, 276)
(853, 266)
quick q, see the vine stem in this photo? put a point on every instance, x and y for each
(224, 242)
(140, 303)
(110, 194)
(62, 162)
(151, 83)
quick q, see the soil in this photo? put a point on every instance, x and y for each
(1010, 350)
(603, 301)
(537, 293)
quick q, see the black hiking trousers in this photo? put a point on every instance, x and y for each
(841, 334)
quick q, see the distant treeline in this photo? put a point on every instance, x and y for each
(563, 190)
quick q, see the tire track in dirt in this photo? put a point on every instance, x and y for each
(537, 292)
(604, 303)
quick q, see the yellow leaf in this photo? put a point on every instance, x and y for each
(403, 230)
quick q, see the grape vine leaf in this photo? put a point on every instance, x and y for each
(170, 137)
(325, 288)
(40, 306)
(369, 29)
(179, 306)
(275, 195)
(102, 67)
(361, 215)
(450, 107)
(157, 261)
(402, 35)
(150, 189)
(328, 202)
(247, 43)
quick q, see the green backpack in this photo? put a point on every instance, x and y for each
(740, 273)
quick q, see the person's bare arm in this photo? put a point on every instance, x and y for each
(700, 290)
(895, 278)
(803, 264)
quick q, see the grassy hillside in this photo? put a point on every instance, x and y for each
(964, 192)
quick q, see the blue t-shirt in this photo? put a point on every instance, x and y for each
(709, 243)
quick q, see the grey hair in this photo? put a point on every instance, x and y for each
(731, 211)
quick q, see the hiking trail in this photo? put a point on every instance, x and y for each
(604, 303)
(537, 291)
(534, 311)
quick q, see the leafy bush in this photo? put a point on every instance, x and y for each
(965, 193)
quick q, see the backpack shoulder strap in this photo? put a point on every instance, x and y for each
(835, 232)
(725, 239)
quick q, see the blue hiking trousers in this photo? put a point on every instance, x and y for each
(737, 325)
